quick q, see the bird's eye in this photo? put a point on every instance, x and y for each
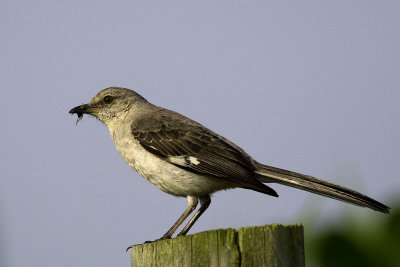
(108, 99)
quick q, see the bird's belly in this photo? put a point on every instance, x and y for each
(164, 175)
(176, 181)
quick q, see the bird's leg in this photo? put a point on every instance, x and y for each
(192, 203)
(204, 203)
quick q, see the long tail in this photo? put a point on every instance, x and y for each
(308, 183)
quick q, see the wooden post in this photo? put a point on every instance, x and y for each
(269, 245)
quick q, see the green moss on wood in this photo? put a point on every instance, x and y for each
(269, 245)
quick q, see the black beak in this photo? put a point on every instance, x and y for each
(80, 110)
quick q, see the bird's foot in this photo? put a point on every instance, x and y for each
(181, 234)
(149, 241)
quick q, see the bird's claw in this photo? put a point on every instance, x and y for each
(149, 241)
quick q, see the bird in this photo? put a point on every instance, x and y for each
(186, 159)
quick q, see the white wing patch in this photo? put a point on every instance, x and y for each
(184, 160)
(193, 160)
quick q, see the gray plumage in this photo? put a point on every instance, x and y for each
(186, 159)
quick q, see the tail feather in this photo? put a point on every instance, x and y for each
(270, 174)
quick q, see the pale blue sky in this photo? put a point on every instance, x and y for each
(307, 86)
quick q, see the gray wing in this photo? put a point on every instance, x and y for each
(193, 147)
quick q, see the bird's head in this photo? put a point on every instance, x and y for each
(109, 104)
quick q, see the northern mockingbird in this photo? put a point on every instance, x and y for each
(183, 158)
